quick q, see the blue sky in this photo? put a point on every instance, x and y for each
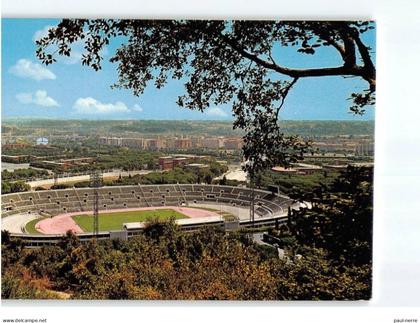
(68, 90)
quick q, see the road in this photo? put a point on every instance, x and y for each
(11, 166)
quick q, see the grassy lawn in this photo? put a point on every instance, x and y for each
(30, 227)
(114, 221)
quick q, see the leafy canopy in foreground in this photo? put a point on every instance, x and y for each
(223, 62)
(165, 263)
(340, 218)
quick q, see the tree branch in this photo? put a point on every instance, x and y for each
(284, 95)
(338, 47)
(364, 53)
(294, 73)
(369, 69)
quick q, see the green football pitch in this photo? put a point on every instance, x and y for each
(30, 226)
(114, 221)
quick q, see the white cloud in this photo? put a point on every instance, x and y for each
(40, 98)
(26, 69)
(137, 108)
(41, 33)
(25, 98)
(216, 112)
(90, 105)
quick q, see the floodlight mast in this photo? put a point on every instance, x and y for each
(96, 181)
(55, 179)
(252, 204)
(251, 184)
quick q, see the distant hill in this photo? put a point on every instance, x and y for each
(329, 128)
(176, 127)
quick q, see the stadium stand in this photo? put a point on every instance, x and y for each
(74, 200)
(116, 197)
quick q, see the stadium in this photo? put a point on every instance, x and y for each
(43, 217)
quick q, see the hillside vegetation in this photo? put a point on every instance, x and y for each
(185, 127)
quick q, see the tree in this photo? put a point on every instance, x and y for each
(14, 187)
(340, 219)
(224, 62)
(167, 263)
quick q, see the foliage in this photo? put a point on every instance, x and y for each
(228, 182)
(177, 175)
(60, 186)
(150, 128)
(166, 263)
(318, 279)
(13, 187)
(23, 174)
(339, 218)
(329, 257)
(295, 183)
(16, 285)
(82, 184)
(224, 62)
(127, 159)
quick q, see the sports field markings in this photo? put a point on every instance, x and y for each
(30, 226)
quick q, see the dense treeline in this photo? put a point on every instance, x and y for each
(295, 183)
(49, 153)
(106, 157)
(166, 263)
(177, 175)
(14, 187)
(197, 127)
(340, 217)
(328, 249)
(23, 174)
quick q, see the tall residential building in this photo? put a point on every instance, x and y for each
(233, 143)
(182, 143)
(212, 143)
(133, 142)
(154, 144)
